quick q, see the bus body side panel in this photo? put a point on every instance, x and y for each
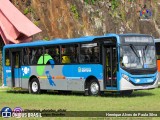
(62, 77)
(7, 75)
(77, 74)
(17, 75)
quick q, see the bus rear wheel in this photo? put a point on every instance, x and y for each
(34, 86)
(93, 88)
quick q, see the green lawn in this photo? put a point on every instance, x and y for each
(140, 100)
(147, 100)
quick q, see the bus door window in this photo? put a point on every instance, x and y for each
(7, 62)
(114, 67)
(108, 66)
(111, 66)
(17, 61)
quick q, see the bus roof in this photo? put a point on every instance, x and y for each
(70, 40)
(127, 34)
(55, 41)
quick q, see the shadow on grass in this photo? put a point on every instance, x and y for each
(68, 93)
(134, 94)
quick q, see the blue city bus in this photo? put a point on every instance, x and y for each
(91, 64)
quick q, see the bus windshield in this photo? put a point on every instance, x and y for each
(138, 57)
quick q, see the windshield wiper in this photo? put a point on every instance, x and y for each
(135, 51)
(146, 46)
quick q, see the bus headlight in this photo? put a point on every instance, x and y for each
(125, 77)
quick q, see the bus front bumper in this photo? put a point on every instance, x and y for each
(127, 85)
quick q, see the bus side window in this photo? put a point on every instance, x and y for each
(89, 53)
(69, 53)
(27, 56)
(95, 55)
(33, 59)
(53, 53)
(32, 55)
(56, 54)
(38, 55)
(65, 55)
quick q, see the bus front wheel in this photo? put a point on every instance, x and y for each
(34, 86)
(93, 88)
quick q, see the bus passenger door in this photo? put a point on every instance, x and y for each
(110, 66)
(15, 69)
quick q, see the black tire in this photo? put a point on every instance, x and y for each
(126, 92)
(34, 86)
(93, 88)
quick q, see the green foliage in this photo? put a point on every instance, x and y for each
(130, 0)
(46, 38)
(74, 11)
(31, 10)
(26, 11)
(90, 1)
(114, 4)
(123, 14)
(36, 23)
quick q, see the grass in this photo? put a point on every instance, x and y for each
(148, 100)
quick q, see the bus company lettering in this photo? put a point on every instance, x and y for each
(8, 71)
(84, 69)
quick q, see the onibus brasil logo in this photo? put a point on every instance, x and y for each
(18, 112)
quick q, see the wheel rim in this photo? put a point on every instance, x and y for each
(94, 88)
(34, 86)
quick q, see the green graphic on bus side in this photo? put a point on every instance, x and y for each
(40, 68)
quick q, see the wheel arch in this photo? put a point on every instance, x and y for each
(33, 76)
(88, 79)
